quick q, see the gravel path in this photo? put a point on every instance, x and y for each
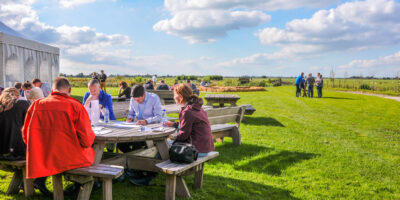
(377, 95)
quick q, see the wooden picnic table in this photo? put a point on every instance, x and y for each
(221, 99)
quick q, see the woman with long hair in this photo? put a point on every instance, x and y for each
(12, 116)
(194, 127)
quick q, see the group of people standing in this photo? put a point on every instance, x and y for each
(62, 124)
(307, 83)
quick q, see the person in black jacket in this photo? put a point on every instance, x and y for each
(124, 91)
(12, 116)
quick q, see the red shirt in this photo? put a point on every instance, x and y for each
(195, 127)
(58, 136)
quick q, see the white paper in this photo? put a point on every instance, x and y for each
(102, 132)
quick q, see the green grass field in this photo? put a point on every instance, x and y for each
(343, 146)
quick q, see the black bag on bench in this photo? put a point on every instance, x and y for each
(183, 153)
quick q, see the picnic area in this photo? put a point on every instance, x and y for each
(342, 146)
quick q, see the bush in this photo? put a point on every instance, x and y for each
(365, 87)
(138, 79)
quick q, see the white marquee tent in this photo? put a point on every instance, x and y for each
(22, 59)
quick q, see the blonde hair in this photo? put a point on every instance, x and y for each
(186, 92)
(34, 94)
(8, 98)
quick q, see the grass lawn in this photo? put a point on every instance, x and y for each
(343, 146)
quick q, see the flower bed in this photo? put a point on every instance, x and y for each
(231, 89)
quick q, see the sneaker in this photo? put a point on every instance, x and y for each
(140, 182)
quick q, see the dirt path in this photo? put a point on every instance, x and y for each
(377, 95)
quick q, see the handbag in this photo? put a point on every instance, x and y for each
(183, 153)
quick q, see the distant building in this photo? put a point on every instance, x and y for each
(22, 59)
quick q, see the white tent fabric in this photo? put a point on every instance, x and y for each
(22, 60)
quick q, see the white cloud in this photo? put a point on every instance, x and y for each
(73, 3)
(208, 20)
(351, 26)
(381, 63)
(209, 25)
(178, 5)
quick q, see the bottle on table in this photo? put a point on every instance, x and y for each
(164, 118)
(106, 115)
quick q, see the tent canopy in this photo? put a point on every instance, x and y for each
(22, 59)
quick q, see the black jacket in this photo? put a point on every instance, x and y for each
(12, 147)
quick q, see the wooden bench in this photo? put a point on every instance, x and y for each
(175, 184)
(85, 176)
(166, 96)
(19, 170)
(219, 117)
(221, 99)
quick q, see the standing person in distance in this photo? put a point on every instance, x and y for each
(154, 79)
(103, 78)
(298, 83)
(310, 85)
(319, 84)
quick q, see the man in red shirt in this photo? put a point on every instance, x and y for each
(57, 133)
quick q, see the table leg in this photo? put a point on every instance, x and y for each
(13, 188)
(28, 184)
(58, 193)
(181, 188)
(107, 189)
(85, 191)
(198, 177)
(170, 187)
(163, 149)
(99, 150)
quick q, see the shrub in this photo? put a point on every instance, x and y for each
(365, 87)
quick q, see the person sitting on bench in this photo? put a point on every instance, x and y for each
(194, 127)
(124, 91)
(144, 108)
(97, 94)
(12, 115)
(58, 133)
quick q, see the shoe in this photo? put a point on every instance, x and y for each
(121, 178)
(40, 184)
(140, 182)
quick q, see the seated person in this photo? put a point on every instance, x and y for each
(44, 86)
(12, 116)
(57, 133)
(26, 87)
(18, 86)
(162, 86)
(95, 93)
(175, 84)
(194, 127)
(145, 108)
(193, 87)
(124, 91)
(34, 94)
(149, 85)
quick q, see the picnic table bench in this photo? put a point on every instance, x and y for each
(166, 96)
(221, 99)
(175, 184)
(219, 119)
(19, 169)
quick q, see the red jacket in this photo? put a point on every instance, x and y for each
(195, 127)
(58, 136)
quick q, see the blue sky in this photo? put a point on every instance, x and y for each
(225, 37)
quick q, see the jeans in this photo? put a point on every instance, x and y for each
(319, 89)
(310, 91)
(298, 90)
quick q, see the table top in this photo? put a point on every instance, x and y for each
(222, 96)
(114, 132)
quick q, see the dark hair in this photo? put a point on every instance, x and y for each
(162, 81)
(36, 80)
(93, 81)
(187, 81)
(18, 85)
(26, 85)
(61, 83)
(123, 84)
(137, 91)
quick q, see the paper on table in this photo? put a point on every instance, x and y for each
(97, 128)
(102, 132)
(125, 124)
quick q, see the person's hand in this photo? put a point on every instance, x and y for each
(129, 120)
(169, 123)
(141, 122)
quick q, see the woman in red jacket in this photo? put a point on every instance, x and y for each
(194, 127)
